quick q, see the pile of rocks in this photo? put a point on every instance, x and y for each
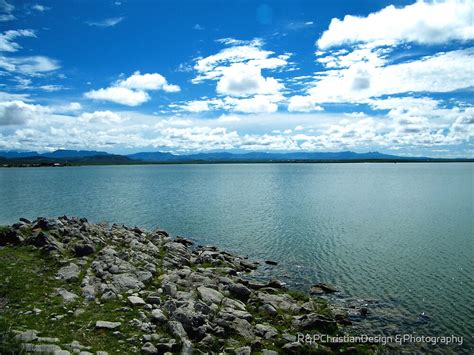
(190, 298)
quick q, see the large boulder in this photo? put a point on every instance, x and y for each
(69, 273)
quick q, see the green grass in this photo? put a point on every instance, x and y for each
(27, 281)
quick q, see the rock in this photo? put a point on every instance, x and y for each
(328, 288)
(316, 290)
(158, 316)
(240, 291)
(66, 295)
(243, 328)
(170, 289)
(27, 336)
(314, 321)
(10, 237)
(125, 282)
(83, 249)
(268, 309)
(268, 352)
(244, 350)
(184, 241)
(270, 262)
(61, 352)
(41, 348)
(149, 348)
(209, 295)
(177, 329)
(69, 273)
(276, 284)
(266, 331)
(102, 324)
(136, 301)
(153, 299)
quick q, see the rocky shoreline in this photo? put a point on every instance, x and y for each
(70, 286)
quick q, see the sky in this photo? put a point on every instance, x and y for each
(187, 76)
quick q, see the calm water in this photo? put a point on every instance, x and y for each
(398, 234)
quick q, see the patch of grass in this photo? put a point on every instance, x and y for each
(4, 229)
(27, 281)
(299, 295)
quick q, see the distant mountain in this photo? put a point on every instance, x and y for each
(153, 156)
(11, 154)
(59, 154)
(64, 154)
(258, 156)
(92, 157)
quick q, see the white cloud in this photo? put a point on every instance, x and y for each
(244, 80)
(443, 72)
(256, 104)
(40, 8)
(33, 66)
(7, 38)
(149, 81)
(198, 27)
(16, 112)
(248, 52)
(6, 10)
(133, 90)
(422, 22)
(119, 95)
(303, 104)
(108, 22)
(106, 117)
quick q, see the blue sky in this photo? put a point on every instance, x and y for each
(181, 76)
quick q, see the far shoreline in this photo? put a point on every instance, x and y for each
(56, 164)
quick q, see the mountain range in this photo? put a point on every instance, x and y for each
(84, 157)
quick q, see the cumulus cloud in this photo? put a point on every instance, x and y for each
(423, 22)
(245, 80)
(133, 90)
(7, 38)
(303, 104)
(16, 112)
(149, 81)
(119, 95)
(362, 80)
(106, 117)
(108, 22)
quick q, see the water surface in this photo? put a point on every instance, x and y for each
(399, 234)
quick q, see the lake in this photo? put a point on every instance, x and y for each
(399, 236)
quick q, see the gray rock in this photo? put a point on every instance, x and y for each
(268, 309)
(61, 352)
(240, 291)
(125, 282)
(41, 348)
(244, 350)
(69, 273)
(325, 287)
(66, 295)
(268, 352)
(136, 301)
(27, 336)
(266, 331)
(177, 329)
(209, 295)
(243, 328)
(158, 316)
(170, 289)
(149, 348)
(102, 324)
